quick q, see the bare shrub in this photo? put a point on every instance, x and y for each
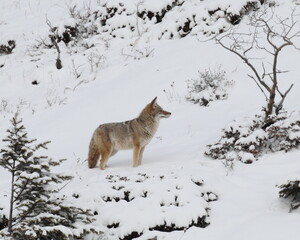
(267, 35)
(172, 94)
(211, 85)
(95, 59)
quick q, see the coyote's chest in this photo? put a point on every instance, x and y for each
(148, 133)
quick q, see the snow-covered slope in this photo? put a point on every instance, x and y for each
(111, 81)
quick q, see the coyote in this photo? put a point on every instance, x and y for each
(134, 134)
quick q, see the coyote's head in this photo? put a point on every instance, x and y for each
(156, 111)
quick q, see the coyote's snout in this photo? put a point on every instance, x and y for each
(134, 134)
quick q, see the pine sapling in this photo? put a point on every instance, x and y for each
(37, 210)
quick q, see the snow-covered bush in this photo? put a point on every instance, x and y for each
(234, 16)
(66, 34)
(7, 48)
(211, 85)
(249, 138)
(156, 202)
(291, 190)
(77, 29)
(83, 20)
(164, 19)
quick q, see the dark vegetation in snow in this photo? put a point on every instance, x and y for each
(3, 221)
(132, 190)
(137, 19)
(291, 190)
(250, 138)
(8, 47)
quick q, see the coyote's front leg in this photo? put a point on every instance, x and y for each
(141, 155)
(136, 155)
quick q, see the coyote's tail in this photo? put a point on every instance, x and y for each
(94, 153)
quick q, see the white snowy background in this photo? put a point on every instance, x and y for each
(116, 81)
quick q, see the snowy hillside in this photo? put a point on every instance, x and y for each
(69, 66)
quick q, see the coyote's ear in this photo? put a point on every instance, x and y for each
(153, 103)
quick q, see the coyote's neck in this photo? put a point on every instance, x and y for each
(147, 122)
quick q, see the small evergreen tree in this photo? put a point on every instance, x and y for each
(13, 157)
(40, 212)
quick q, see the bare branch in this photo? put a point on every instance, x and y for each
(279, 107)
(53, 37)
(252, 42)
(246, 60)
(258, 86)
(42, 42)
(270, 34)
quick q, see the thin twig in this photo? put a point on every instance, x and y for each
(279, 107)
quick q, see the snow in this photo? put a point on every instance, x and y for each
(255, 137)
(294, 135)
(243, 202)
(247, 157)
(29, 175)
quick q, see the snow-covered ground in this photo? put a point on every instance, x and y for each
(113, 86)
